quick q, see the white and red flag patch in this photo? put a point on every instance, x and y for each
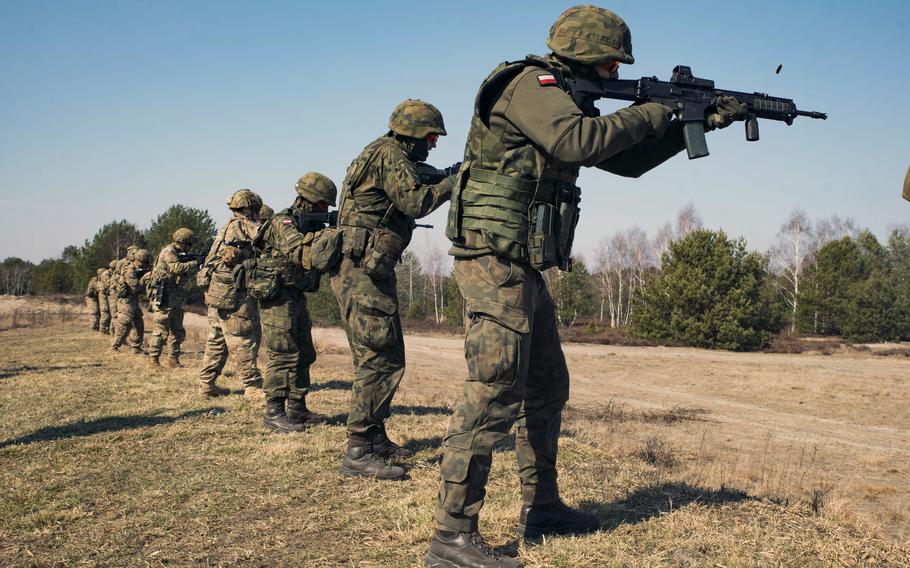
(286, 222)
(545, 80)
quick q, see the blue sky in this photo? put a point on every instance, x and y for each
(119, 109)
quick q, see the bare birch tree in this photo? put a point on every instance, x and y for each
(790, 255)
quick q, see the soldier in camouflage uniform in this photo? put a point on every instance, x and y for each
(129, 284)
(513, 214)
(91, 301)
(279, 281)
(381, 197)
(101, 288)
(170, 281)
(232, 314)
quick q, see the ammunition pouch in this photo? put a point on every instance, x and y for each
(262, 275)
(223, 292)
(525, 220)
(204, 276)
(325, 251)
(354, 241)
(382, 253)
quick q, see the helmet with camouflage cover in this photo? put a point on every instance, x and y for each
(112, 264)
(315, 187)
(99, 272)
(591, 35)
(183, 236)
(142, 256)
(265, 211)
(417, 119)
(244, 199)
(130, 251)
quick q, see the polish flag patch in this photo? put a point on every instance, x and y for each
(286, 222)
(545, 80)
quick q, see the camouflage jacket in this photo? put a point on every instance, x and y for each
(527, 126)
(233, 241)
(173, 274)
(285, 242)
(103, 282)
(131, 280)
(384, 175)
(91, 291)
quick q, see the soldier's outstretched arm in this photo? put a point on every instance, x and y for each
(647, 154)
(548, 117)
(402, 185)
(174, 266)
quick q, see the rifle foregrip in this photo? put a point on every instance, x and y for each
(694, 135)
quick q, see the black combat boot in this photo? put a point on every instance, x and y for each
(556, 518)
(299, 414)
(385, 448)
(453, 549)
(360, 461)
(276, 419)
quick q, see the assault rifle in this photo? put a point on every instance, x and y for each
(189, 256)
(430, 175)
(327, 218)
(690, 98)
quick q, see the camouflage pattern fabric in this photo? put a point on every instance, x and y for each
(232, 333)
(130, 327)
(167, 320)
(111, 293)
(91, 302)
(516, 371)
(516, 368)
(101, 287)
(382, 185)
(369, 311)
(417, 119)
(285, 321)
(591, 35)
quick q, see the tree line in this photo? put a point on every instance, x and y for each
(686, 285)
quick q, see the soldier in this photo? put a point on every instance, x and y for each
(513, 214)
(381, 197)
(279, 282)
(170, 280)
(101, 287)
(91, 301)
(232, 314)
(130, 282)
(116, 267)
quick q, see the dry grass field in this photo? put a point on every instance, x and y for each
(691, 457)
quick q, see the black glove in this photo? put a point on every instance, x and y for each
(453, 169)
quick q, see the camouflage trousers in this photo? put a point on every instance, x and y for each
(129, 327)
(516, 372)
(104, 320)
(93, 311)
(167, 327)
(112, 304)
(234, 334)
(369, 310)
(287, 335)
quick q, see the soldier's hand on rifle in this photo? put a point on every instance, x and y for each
(658, 116)
(727, 111)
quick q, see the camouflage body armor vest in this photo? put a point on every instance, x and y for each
(513, 201)
(272, 269)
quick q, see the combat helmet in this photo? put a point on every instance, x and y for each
(183, 236)
(130, 251)
(112, 264)
(315, 187)
(244, 199)
(142, 256)
(265, 211)
(591, 35)
(416, 119)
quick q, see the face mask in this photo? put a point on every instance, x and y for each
(419, 150)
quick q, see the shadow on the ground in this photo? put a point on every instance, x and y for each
(655, 500)
(420, 410)
(645, 504)
(11, 372)
(333, 384)
(106, 424)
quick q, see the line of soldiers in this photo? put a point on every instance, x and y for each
(514, 208)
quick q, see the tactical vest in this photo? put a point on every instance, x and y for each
(368, 212)
(223, 284)
(513, 202)
(272, 269)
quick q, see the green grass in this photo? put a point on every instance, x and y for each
(103, 463)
